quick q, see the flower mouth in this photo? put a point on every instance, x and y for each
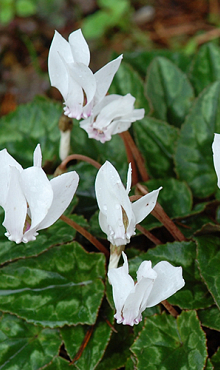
(27, 224)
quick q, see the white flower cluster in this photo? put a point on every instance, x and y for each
(31, 202)
(84, 93)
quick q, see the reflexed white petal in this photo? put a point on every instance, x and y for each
(145, 270)
(216, 156)
(119, 126)
(169, 280)
(128, 187)
(85, 78)
(135, 115)
(103, 223)
(103, 103)
(111, 197)
(113, 110)
(143, 206)
(39, 194)
(6, 161)
(104, 78)
(81, 81)
(56, 68)
(133, 305)
(64, 188)
(74, 99)
(15, 207)
(79, 47)
(122, 283)
(37, 156)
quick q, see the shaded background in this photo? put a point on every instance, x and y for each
(110, 26)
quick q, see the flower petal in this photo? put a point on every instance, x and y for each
(169, 280)
(143, 206)
(129, 177)
(37, 156)
(39, 195)
(104, 78)
(216, 156)
(81, 80)
(56, 68)
(112, 198)
(15, 207)
(6, 161)
(122, 283)
(79, 47)
(64, 188)
(135, 304)
(114, 109)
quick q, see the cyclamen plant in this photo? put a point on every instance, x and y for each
(58, 302)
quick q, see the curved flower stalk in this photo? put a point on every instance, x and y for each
(153, 286)
(113, 115)
(216, 156)
(69, 73)
(118, 216)
(32, 202)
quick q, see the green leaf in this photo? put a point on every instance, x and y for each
(112, 150)
(205, 67)
(175, 197)
(216, 359)
(174, 344)
(194, 294)
(30, 124)
(131, 363)
(194, 159)
(73, 338)
(140, 60)
(209, 261)
(56, 234)
(127, 81)
(61, 286)
(169, 91)
(58, 363)
(117, 351)
(26, 346)
(209, 365)
(156, 141)
(210, 318)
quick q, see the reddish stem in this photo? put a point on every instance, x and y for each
(83, 345)
(80, 157)
(86, 234)
(170, 308)
(130, 159)
(159, 213)
(136, 154)
(148, 234)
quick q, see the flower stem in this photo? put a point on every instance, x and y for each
(159, 213)
(126, 136)
(148, 235)
(115, 254)
(170, 308)
(83, 345)
(86, 234)
(130, 159)
(80, 157)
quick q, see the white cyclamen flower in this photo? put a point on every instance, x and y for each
(114, 114)
(32, 202)
(153, 286)
(69, 73)
(118, 216)
(216, 156)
